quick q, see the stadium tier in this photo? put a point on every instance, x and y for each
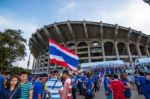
(92, 41)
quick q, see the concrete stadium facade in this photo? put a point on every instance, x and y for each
(92, 41)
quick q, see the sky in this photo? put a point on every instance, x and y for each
(29, 15)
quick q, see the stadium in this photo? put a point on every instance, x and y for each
(92, 41)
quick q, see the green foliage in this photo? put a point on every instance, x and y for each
(16, 70)
(12, 47)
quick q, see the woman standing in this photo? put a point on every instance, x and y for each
(12, 91)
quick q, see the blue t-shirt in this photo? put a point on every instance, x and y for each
(37, 89)
(136, 79)
(112, 70)
(15, 94)
(107, 88)
(127, 92)
(29, 78)
(88, 84)
(83, 78)
(82, 81)
(74, 81)
(1, 83)
(145, 84)
(95, 78)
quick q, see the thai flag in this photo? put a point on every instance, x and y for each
(62, 56)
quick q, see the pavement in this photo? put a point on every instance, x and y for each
(101, 94)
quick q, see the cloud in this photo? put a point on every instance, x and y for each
(67, 7)
(4, 21)
(28, 27)
(135, 15)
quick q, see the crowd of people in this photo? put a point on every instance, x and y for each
(67, 85)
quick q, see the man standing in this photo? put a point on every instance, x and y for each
(53, 86)
(26, 87)
(89, 86)
(140, 81)
(145, 85)
(81, 82)
(38, 88)
(74, 81)
(107, 81)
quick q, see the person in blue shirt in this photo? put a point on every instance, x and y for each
(127, 85)
(74, 81)
(112, 70)
(1, 84)
(147, 92)
(7, 78)
(95, 81)
(136, 76)
(89, 86)
(30, 78)
(38, 88)
(12, 91)
(145, 84)
(107, 80)
(81, 82)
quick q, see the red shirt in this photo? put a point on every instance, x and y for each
(118, 89)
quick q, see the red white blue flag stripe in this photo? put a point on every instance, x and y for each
(62, 56)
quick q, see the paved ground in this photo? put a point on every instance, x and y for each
(101, 95)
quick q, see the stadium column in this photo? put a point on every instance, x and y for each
(89, 54)
(116, 50)
(87, 37)
(33, 64)
(138, 49)
(37, 65)
(147, 52)
(101, 38)
(129, 52)
(147, 43)
(104, 58)
(41, 38)
(137, 45)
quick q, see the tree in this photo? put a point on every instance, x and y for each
(16, 70)
(12, 47)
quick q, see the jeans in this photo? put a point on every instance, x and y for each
(139, 89)
(74, 93)
(1, 95)
(88, 96)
